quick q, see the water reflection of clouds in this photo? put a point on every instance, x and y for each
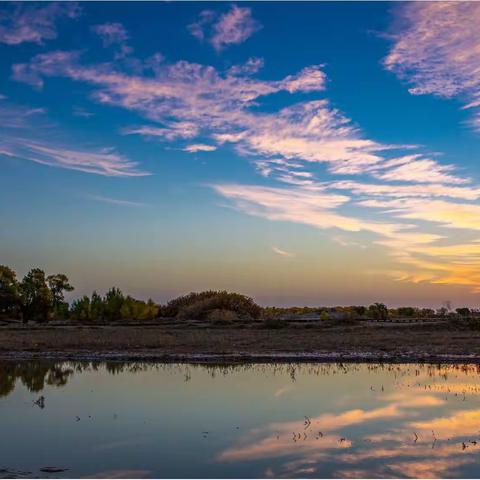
(276, 438)
(283, 390)
(437, 450)
(368, 415)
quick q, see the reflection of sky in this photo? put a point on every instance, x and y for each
(262, 420)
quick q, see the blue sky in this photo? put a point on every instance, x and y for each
(311, 153)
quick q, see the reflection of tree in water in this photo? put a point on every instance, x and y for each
(35, 375)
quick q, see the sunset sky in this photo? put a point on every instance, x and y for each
(303, 154)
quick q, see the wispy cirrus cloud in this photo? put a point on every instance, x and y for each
(199, 147)
(230, 28)
(450, 214)
(200, 108)
(405, 191)
(34, 23)
(82, 112)
(436, 50)
(310, 207)
(116, 201)
(174, 131)
(18, 117)
(105, 161)
(282, 253)
(25, 135)
(414, 168)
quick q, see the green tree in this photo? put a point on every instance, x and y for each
(97, 307)
(360, 310)
(113, 303)
(407, 311)
(378, 311)
(151, 310)
(59, 284)
(9, 291)
(81, 309)
(37, 299)
(463, 312)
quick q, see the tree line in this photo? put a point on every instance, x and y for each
(41, 298)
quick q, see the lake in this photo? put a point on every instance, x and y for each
(259, 420)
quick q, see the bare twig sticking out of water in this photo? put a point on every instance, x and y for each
(307, 422)
(40, 402)
(416, 437)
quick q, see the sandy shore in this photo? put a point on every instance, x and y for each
(410, 343)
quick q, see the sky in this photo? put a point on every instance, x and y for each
(300, 153)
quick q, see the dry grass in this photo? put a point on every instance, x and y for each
(167, 340)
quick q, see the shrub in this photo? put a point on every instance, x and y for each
(463, 312)
(407, 311)
(198, 305)
(473, 323)
(359, 310)
(222, 317)
(114, 306)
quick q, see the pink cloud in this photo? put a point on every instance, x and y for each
(27, 22)
(111, 33)
(436, 50)
(405, 191)
(234, 27)
(313, 207)
(104, 161)
(199, 147)
(212, 108)
(116, 35)
(419, 170)
(230, 28)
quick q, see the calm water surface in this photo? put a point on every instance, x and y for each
(310, 420)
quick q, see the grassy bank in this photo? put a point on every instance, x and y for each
(405, 341)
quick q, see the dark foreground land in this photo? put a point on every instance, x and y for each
(365, 341)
